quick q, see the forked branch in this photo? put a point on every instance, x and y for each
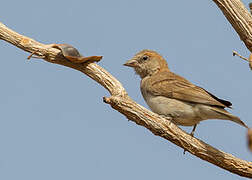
(121, 102)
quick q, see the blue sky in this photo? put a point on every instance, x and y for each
(53, 122)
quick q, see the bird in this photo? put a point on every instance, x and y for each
(171, 95)
(69, 52)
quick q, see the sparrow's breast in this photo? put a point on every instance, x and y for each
(182, 113)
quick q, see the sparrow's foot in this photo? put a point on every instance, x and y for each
(193, 130)
(168, 118)
(192, 133)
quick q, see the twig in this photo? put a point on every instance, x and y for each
(236, 53)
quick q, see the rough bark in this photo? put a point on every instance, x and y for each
(121, 102)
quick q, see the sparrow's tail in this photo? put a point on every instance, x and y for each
(228, 116)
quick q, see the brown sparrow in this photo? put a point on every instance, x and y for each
(171, 95)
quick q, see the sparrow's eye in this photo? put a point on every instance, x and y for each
(145, 57)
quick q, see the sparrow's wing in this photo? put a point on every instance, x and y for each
(174, 86)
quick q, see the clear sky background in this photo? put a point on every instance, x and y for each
(53, 122)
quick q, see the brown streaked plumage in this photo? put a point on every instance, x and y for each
(170, 85)
(169, 94)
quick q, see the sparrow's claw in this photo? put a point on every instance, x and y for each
(193, 130)
(192, 133)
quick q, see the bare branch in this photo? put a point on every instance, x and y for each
(52, 55)
(121, 102)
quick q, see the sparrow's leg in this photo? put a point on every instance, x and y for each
(192, 133)
(193, 130)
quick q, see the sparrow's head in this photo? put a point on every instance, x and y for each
(147, 63)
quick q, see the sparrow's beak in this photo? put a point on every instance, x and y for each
(131, 63)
